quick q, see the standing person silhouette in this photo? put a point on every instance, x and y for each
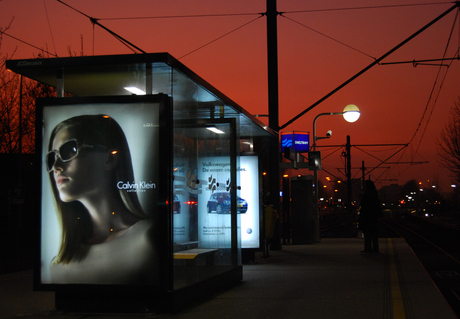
(370, 212)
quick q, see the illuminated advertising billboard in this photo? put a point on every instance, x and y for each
(99, 190)
(184, 202)
(214, 204)
(299, 141)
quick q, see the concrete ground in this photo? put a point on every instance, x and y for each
(330, 279)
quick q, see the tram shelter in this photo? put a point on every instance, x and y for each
(196, 159)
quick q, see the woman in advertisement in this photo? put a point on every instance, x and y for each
(106, 238)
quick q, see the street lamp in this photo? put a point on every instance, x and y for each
(351, 114)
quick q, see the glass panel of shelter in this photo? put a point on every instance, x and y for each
(204, 198)
(203, 205)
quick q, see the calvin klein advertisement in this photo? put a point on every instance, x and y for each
(100, 180)
(214, 204)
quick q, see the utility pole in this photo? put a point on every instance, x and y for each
(272, 57)
(273, 107)
(273, 102)
(348, 160)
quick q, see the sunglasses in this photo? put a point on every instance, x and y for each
(67, 152)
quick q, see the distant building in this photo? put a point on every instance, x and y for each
(390, 195)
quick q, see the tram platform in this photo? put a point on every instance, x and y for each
(329, 279)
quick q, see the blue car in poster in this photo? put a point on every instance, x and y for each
(220, 203)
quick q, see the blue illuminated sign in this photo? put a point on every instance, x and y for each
(300, 141)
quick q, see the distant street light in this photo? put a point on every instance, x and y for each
(351, 114)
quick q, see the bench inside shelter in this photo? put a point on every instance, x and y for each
(197, 262)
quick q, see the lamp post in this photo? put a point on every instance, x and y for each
(351, 114)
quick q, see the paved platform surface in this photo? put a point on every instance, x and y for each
(330, 279)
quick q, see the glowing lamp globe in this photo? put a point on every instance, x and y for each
(351, 113)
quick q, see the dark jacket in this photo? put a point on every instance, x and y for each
(370, 211)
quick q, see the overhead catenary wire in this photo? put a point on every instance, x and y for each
(263, 13)
(130, 45)
(220, 37)
(399, 147)
(417, 62)
(329, 37)
(430, 105)
(280, 13)
(31, 45)
(377, 61)
(434, 95)
(369, 7)
(389, 157)
(334, 151)
(49, 26)
(184, 16)
(436, 90)
(118, 37)
(403, 148)
(365, 152)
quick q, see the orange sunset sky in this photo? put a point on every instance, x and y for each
(321, 44)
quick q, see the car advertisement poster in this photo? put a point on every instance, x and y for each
(214, 225)
(100, 180)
